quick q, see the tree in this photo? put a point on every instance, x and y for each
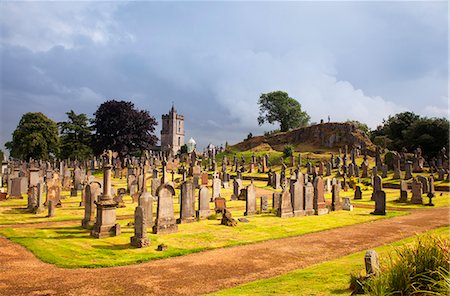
(394, 128)
(35, 137)
(121, 127)
(431, 134)
(2, 155)
(279, 107)
(76, 135)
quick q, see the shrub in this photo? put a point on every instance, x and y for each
(288, 150)
(421, 268)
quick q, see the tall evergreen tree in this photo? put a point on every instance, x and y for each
(76, 136)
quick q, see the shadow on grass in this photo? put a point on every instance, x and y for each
(113, 247)
(17, 211)
(340, 292)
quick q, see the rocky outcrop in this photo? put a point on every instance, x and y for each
(324, 135)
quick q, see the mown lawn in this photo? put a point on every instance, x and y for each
(328, 278)
(71, 246)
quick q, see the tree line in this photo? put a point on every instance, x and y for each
(116, 125)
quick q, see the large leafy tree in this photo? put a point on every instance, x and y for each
(76, 134)
(121, 127)
(35, 137)
(431, 134)
(394, 129)
(279, 107)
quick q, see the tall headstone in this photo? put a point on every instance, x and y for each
(140, 239)
(335, 198)
(358, 193)
(237, 186)
(91, 192)
(276, 201)
(408, 170)
(264, 204)
(416, 190)
(309, 199)
(203, 203)
(216, 184)
(187, 207)
(285, 210)
(297, 197)
(250, 199)
(165, 220)
(380, 203)
(403, 191)
(319, 197)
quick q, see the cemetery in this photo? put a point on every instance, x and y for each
(224, 148)
(110, 211)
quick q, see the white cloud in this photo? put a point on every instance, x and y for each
(40, 27)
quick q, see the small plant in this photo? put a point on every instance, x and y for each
(288, 150)
(249, 136)
(421, 268)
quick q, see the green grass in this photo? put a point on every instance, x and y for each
(72, 246)
(329, 278)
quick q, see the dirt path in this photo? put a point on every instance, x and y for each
(22, 274)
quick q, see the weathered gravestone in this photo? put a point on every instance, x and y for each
(335, 198)
(403, 191)
(416, 190)
(377, 185)
(276, 201)
(204, 178)
(250, 205)
(297, 200)
(216, 188)
(372, 263)
(146, 203)
(203, 203)
(187, 206)
(119, 197)
(319, 197)
(91, 193)
(264, 204)
(140, 239)
(346, 204)
(408, 170)
(424, 181)
(285, 209)
(237, 186)
(380, 203)
(51, 209)
(309, 199)
(220, 205)
(227, 218)
(358, 193)
(165, 220)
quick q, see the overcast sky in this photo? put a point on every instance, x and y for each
(349, 60)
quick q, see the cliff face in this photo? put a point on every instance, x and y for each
(324, 135)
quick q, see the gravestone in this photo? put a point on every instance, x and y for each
(276, 201)
(119, 197)
(165, 220)
(187, 207)
(237, 186)
(309, 199)
(372, 263)
(335, 198)
(264, 204)
(16, 190)
(408, 170)
(146, 203)
(285, 209)
(51, 209)
(377, 185)
(220, 205)
(384, 171)
(276, 182)
(156, 182)
(346, 204)
(319, 197)
(297, 201)
(403, 191)
(216, 184)
(227, 218)
(380, 203)
(416, 190)
(91, 193)
(204, 177)
(358, 193)
(424, 182)
(140, 239)
(203, 203)
(328, 169)
(250, 205)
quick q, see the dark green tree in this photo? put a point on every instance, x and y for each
(395, 127)
(431, 134)
(76, 135)
(35, 137)
(279, 107)
(121, 127)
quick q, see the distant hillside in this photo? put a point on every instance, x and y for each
(320, 136)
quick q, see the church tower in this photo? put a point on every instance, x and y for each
(172, 132)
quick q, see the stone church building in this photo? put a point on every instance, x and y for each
(172, 132)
